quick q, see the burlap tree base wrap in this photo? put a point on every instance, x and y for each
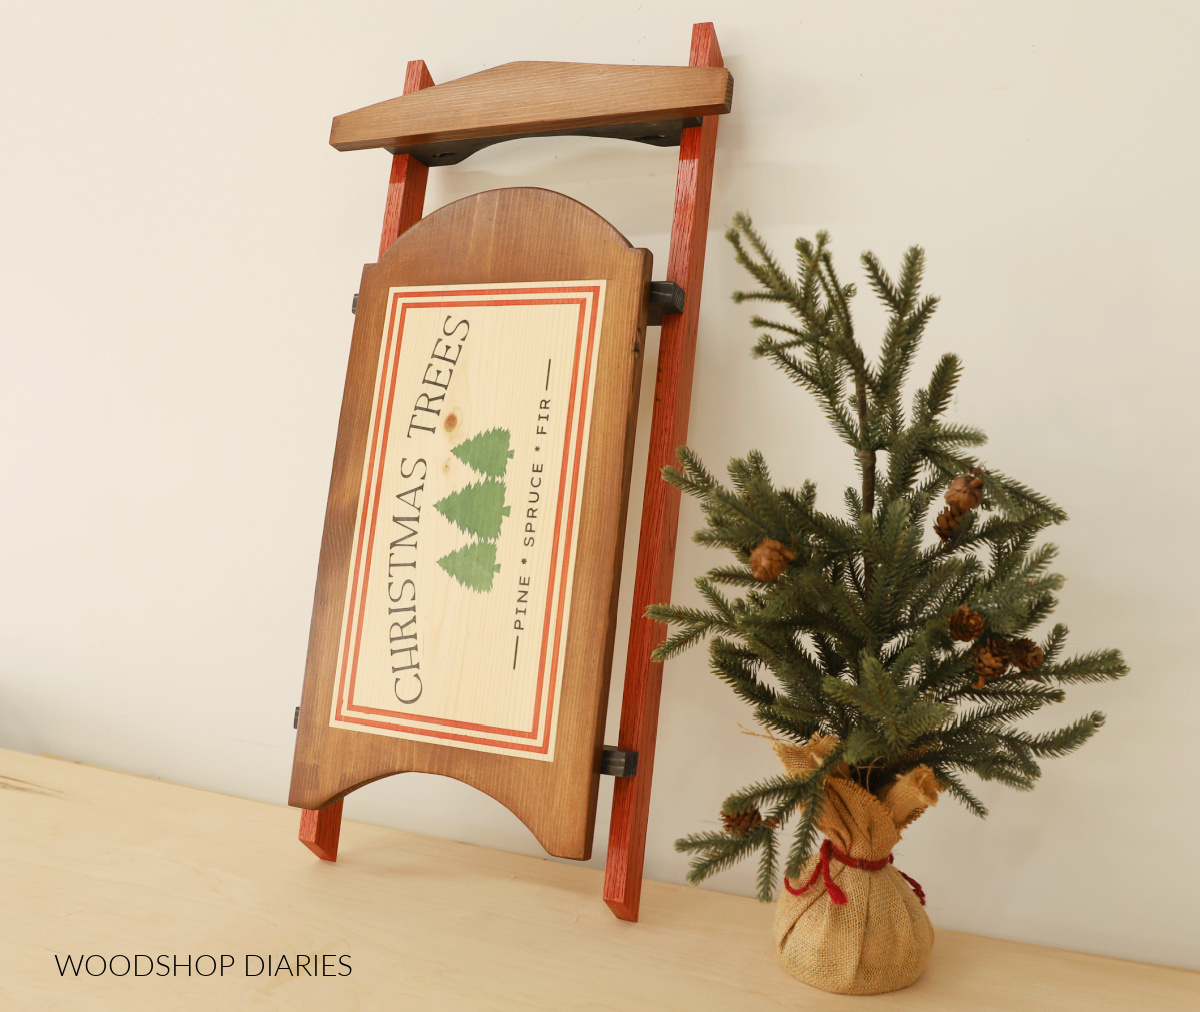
(880, 938)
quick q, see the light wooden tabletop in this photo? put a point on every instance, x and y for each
(96, 862)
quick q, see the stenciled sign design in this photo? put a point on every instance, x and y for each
(458, 600)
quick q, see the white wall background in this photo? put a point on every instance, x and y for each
(179, 250)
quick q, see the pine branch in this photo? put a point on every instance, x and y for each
(958, 790)
(717, 851)
(1097, 666)
(1053, 744)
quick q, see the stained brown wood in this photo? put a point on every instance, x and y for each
(530, 98)
(319, 830)
(515, 235)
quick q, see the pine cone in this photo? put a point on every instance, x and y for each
(742, 824)
(770, 559)
(991, 658)
(963, 495)
(966, 625)
(965, 491)
(999, 646)
(947, 523)
(1027, 655)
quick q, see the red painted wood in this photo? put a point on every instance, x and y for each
(660, 509)
(320, 829)
(406, 188)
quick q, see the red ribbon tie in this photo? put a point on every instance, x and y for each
(829, 852)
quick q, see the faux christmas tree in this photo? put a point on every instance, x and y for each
(473, 566)
(888, 651)
(487, 453)
(477, 509)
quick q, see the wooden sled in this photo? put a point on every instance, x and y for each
(572, 292)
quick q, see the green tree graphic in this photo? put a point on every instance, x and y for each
(487, 453)
(473, 566)
(477, 509)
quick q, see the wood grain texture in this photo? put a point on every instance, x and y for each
(97, 861)
(660, 507)
(403, 208)
(406, 187)
(320, 830)
(499, 236)
(527, 98)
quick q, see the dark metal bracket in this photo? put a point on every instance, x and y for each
(666, 299)
(618, 762)
(296, 720)
(661, 134)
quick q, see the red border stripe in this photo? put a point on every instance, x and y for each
(353, 634)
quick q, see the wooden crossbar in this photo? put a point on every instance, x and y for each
(444, 124)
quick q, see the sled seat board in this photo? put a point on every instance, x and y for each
(466, 594)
